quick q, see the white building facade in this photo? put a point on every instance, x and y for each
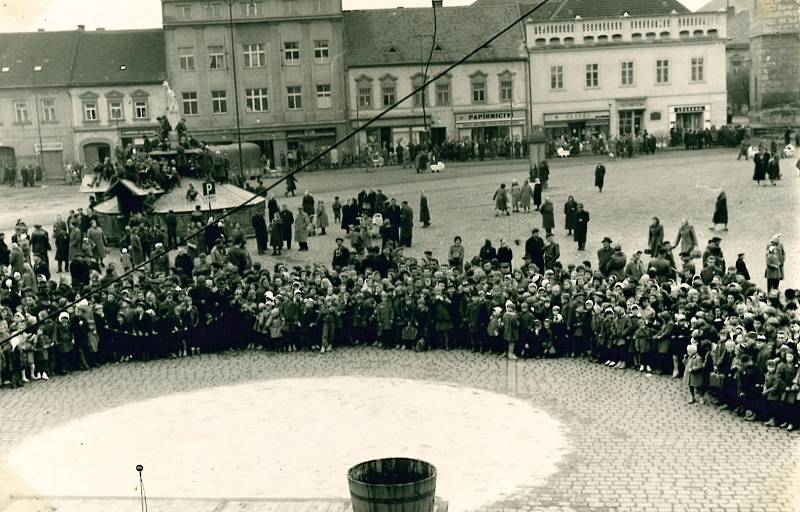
(628, 74)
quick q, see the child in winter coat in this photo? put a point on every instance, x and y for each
(125, 259)
(771, 392)
(276, 330)
(510, 329)
(494, 328)
(693, 374)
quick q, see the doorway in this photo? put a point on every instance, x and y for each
(630, 122)
(690, 121)
(52, 165)
(438, 135)
(96, 152)
(7, 158)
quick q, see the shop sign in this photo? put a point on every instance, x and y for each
(48, 146)
(139, 132)
(576, 116)
(497, 118)
(690, 109)
(631, 105)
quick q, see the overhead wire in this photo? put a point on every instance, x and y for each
(165, 251)
(425, 77)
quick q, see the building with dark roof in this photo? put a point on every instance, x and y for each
(485, 98)
(621, 67)
(78, 93)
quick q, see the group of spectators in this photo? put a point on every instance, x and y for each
(734, 343)
(29, 175)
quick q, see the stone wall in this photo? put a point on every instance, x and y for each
(775, 62)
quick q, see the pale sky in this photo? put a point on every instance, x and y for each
(29, 15)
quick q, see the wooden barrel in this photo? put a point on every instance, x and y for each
(392, 485)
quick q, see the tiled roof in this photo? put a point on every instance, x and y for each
(82, 58)
(381, 36)
(614, 8)
(100, 55)
(21, 52)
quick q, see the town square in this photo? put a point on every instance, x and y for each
(563, 278)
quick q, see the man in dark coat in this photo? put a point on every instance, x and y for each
(260, 229)
(599, 176)
(341, 255)
(760, 165)
(272, 207)
(5, 252)
(171, 220)
(604, 256)
(581, 226)
(394, 213)
(406, 224)
(548, 216)
(534, 249)
(552, 252)
(424, 213)
(287, 220)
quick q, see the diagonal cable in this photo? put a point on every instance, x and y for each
(165, 251)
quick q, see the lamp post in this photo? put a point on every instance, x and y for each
(39, 156)
(235, 82)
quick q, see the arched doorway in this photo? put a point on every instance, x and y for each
(7, 158)
(95, 152)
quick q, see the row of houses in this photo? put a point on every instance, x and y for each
(300, 74)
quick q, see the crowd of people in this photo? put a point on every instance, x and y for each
(733, 342)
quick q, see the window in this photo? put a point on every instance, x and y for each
(592, 75)
(140, 109)
(478, 92)
(324, 96)
(256, 100)
(251, 9)
(183, 11)
(295, 96)
(506, 90)
(321, 52)
(289, 7)
(556, 77)
(291, 53)
(662, 71)
(48, 111)
(626, 73)
(214, 10)
(186, 59)
(216, 57)
(365, 96)
(442, 94)
(219, 102)
(254, 55)
(21, 113)
(697, 69)
(318, 6)
(90, 111)
(389, 93)
(190, 103)
(115, 112)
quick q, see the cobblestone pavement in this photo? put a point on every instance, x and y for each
(637, 445)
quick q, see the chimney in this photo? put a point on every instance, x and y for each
(100, 29)
(81, 28)
(438, 3)
(39, 30)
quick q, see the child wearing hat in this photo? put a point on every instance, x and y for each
(493, 330)
(510, 329)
